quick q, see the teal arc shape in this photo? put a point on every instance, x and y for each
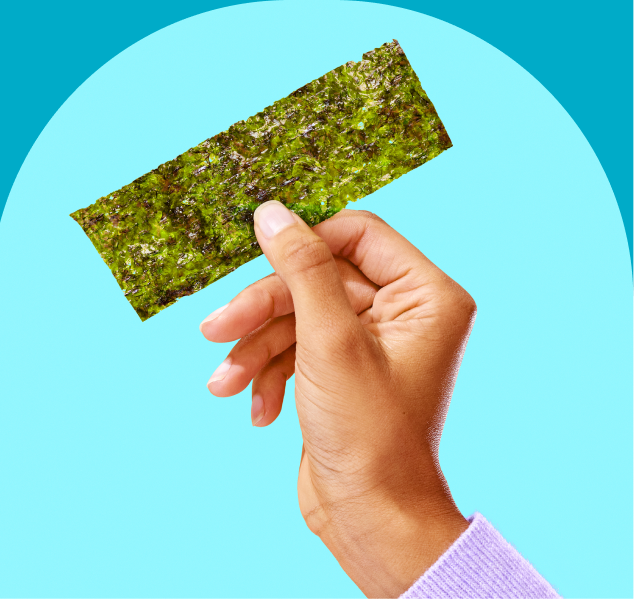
(581, 55)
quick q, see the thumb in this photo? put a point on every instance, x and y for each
(304, 262)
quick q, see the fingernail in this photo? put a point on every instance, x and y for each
(257, 409)
(272, 217)
(221, 372)
(214, 314)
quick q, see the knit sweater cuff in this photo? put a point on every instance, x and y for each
(480, 563)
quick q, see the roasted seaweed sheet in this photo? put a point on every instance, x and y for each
(189, 222)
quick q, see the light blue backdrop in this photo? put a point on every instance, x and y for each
(122, 476)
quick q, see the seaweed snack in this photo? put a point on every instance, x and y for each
(189, 222)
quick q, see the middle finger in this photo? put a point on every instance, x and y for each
(251, 354)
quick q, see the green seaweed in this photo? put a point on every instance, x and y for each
(189, 222)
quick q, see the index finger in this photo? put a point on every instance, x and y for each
(381, 254)
(270, 297)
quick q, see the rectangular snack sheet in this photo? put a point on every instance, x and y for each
(189, 222)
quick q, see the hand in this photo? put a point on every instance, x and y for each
(375, 336)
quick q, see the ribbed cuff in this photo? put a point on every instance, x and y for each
(480, 564)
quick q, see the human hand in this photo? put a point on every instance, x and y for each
(375, 337)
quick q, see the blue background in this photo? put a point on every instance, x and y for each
(580, 51)
(121, 476)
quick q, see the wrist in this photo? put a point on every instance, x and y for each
(385, 547)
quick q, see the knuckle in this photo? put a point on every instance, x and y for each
(278, 297)
(305, 254)
(366, 214)
(470, 305)
(264, 300)
(362, 215)
(459, 304)
(269, 297)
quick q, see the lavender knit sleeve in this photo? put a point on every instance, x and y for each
(480, 563)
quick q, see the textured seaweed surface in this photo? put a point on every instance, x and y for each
(189, 222)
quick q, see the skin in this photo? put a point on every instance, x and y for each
(375, 334)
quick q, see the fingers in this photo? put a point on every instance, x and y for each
(381, 253)
(267, 298)
(251, 354)
(305, 263)
(270, 298)
(353, 236)
(269, 385)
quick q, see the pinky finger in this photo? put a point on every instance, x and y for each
(269, 385)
